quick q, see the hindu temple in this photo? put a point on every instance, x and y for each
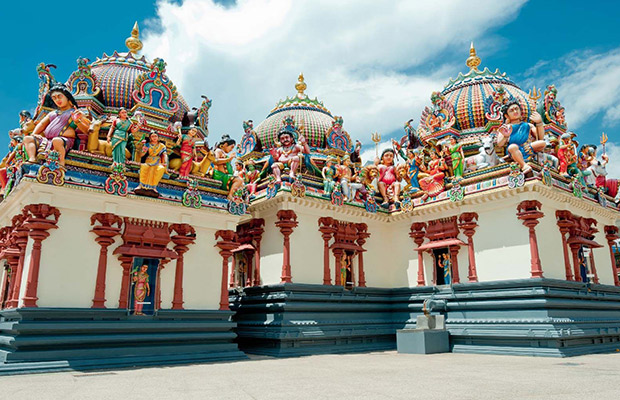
(131, 235)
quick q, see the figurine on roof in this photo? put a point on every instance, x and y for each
(328, 173)
(433, 184)
(438, 117)
(119, 135)
(516, 132)
(389, 186)
(410, 171)
(187, 142)
(288, 153)
(457, 157)
(155, 161)
(551, 109)
(223, 170)
(57, 130)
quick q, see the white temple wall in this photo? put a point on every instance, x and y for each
(114, 275)
(271, 250)
(550, 245)
(202, 274)
(69, 260)
(306, 250)
(25, 270)
(602, 257)
(385, 262)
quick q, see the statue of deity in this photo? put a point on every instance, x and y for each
(141, 288)
(328, 174)
(389, 187)
(516, 132)
(287, 154)
(56, 131)
(223, 170)
(153, 167)
(457, 157)
(433, 184)
(188, 151)
(567, 155)
(119, 134)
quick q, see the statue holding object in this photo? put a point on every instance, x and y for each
(288, 153)
(119, 135)
(223, 170)
(153, 166)
(517, 133)
(389, 187)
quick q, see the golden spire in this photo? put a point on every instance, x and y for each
(473, 60)
(300, 86)
(133, 42)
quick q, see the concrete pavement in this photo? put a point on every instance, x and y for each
(381, 375)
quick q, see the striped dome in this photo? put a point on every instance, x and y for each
(315, 119)
(116, 75)
(468, 92)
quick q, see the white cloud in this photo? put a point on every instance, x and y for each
(353, 53)
(613, 167)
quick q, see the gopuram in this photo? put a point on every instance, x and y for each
(130, 239)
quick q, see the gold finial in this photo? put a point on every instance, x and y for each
(300, 86)
(473, 60)
(133, 42)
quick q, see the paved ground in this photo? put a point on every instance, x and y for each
(382, 375)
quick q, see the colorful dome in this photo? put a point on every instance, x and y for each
(468, 92)
(310, 115)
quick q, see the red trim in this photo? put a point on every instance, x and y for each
(529, 212)
(441, 243)
(417, 233)
(327, 232)
(611, 234)
(287, 221)
(105, 237)
(467, 223)
(226, 246)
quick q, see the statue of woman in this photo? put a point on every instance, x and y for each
(447, 269)
(516, 133)
(141, 289)
(188, 151)
(118, 136)
(328, 176)
(457, 156)
(223, 170)
(387, 178)
(154, 165)
(56, 131)
(433, 184)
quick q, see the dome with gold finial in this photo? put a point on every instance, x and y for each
(468, 93)
(310, 116)
(116, 75)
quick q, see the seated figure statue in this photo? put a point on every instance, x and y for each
(153, 166)
(517, 133)
(56, 131)
(222, 166)
(288, 154)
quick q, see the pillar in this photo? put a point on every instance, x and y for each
(185, 235)
(576, 264)
(256, 231)
(105, 232)
(20, 237)
(417, 234)
(564, 224)
(226, 245)
(160, 267)
(593, 266)
(39, 225)
(468, 225)
(287, 220)
(454, 259)
(362, 235)
(338, 267)
(611, 234)
(327, 231)
(529, 212)
(126, 263)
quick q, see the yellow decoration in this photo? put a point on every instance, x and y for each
(473, 60)
(133, 42)
(300, 86)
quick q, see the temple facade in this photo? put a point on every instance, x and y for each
(127, 239)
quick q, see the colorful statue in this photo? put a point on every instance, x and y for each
(141, 288)
(188, 151)
(410, 171)
(567, 155)
(447, 269)
(153, 166)
(223, 170)
(26, 124)
(433, 184)
(287, 154)
(486, 157)
(457, 157)
(598, 172)
(389, 187)
(56, 131)
(516, 133)
(119, 135)
(328, 176)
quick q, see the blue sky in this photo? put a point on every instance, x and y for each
(375, 63)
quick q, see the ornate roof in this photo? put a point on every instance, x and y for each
(117, 73)
(309, 114)
(468, 92)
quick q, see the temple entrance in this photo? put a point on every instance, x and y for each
(143, 286)
(584, 264)
(346, 269)
(6, 284)
(443, 266)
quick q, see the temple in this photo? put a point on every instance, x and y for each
(127, 239)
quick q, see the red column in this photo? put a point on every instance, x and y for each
(576, 264)
(468, 225)
(105, 232)
(327, 231)
(338, 266)
(362, 235)
(20, 235)
(417, 234)
(185, 235)
(226, 245)
(12, 258)
(256, 230)
(611, 234)
(287, 220)
(39, 224)
(232, 281)
(126, 263)
(564, 221)
(593, 266)
(454, 252)
(529, 212)
(162, 265)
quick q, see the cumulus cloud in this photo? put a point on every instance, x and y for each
(356, 55)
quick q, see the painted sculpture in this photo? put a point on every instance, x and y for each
(119, 135)
(187, 142)
(223, 170)
(328, 174)
(56, 131)
(153, 166)
(389, 187)
(288, 153)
